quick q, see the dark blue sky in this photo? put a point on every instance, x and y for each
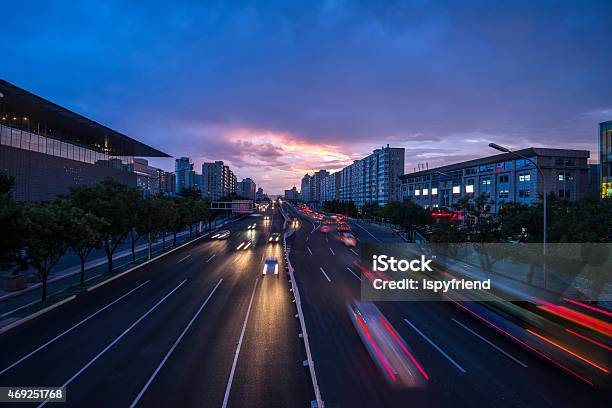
(280, 88)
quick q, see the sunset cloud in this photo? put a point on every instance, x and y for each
(280, 89)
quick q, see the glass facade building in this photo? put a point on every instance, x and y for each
(503, 178)
(48, 148)
(605, 158)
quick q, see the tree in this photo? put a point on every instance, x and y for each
(11, 239)
(46, 231)
(181, 217)
(82, 232)
(108, 200)
(197, 211)
(167, 216)
(150, 220)
(136, 204)
(190, 192)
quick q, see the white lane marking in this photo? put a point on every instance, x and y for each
(328, 279)
(247, 246)
(72, 328)
(353, 251)
(490, 344)
(332, 251)
(308, 248)
(178, 340)
(356, 223)
(112, 343)
(210, 259)
(354, 274)
(240, 246)
(436, 347)
(231, 378)
(182, 259)
(307, 239)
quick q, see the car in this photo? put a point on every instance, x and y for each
(325, 229)
(270, 266)
(349, 239)
(267, 218)
(327, 222)
(252, 226)
(344, 227)
(224, 234)
(274, 237)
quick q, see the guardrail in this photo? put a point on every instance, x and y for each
(298, 303)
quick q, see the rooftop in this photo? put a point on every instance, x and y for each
(63, 124)
(528, 152)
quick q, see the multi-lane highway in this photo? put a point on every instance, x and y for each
(466, 363)
(201, 326)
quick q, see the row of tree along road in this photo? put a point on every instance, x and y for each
(101, 216)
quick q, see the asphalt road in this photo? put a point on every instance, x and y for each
(199, 327)
(468, 363)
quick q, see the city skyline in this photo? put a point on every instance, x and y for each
(421, 77)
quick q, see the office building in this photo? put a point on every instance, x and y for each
(605, 158)
(247, 189)
(502, 178)
(48, 148)
(218, 180)
(185, 175)
(151, 180)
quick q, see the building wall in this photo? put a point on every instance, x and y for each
(40, 176)
(502, 179)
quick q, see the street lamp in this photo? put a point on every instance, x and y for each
(506, 150)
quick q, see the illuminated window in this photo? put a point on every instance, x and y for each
(417, 192)
(434, 191)
(425, 192)
(469, 189)
(456, 190)
(524, 177)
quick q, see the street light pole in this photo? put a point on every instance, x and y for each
(539, 169)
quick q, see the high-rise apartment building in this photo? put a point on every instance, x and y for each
(217, 180)
(375, 178)
(305, 188)
(247, 189)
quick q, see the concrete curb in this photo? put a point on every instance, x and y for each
(35, 315)
(298, 303)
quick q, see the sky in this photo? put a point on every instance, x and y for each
(278, 89)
